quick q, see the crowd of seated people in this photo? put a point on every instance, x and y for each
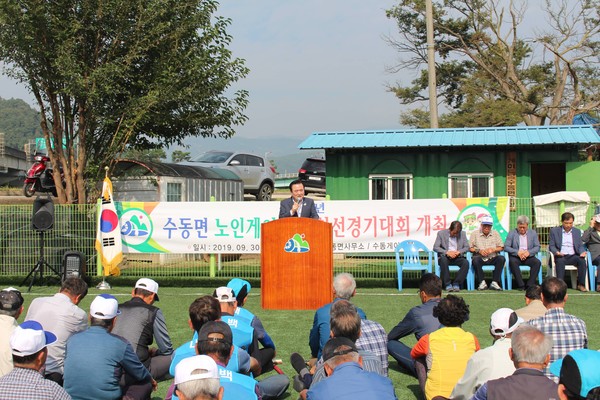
(55, 354)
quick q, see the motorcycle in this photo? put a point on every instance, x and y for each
(39, 177)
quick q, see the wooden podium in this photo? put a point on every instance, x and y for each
(296, 264)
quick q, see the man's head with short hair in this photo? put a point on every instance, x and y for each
(11, 302)
(430, 286)
(567, 216)
(567, 220)
(522, 220)
(338, 351)
(451, 311)
(344, 286)
(530, 346)
(75, 288)
(455, 226)
(522, 224)
(554, 292)
(197, 378)
(215, 339)
(203, 310)
(534, 292)
(579, 375)
(344, 320)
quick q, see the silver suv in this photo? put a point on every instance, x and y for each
(259, 179)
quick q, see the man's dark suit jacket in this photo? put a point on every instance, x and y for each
(308, 208)
(556, 240)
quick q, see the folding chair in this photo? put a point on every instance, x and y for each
(410, 260)
(572, 270)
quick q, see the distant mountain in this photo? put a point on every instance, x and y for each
(19, 122)
(283, 151)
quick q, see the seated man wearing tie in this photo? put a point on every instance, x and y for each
(568, 249)
(298, 205)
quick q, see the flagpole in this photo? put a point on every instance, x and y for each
(102, 285)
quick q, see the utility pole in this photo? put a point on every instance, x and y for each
(431, 66)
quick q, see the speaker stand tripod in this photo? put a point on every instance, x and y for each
(39, 267)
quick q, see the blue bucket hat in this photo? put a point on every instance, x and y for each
(579, 371)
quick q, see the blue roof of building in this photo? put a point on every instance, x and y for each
(463, 137)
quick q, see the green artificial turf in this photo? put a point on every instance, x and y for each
(289, 329)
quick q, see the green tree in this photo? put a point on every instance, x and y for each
(117, 74)
(180, 155)
(151, 155)
(489, 72)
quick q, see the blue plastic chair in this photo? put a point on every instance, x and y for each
(490, 268)
(591, 271)
(410, 260)
(522, 268)
(470, 280)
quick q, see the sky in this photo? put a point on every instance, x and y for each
(314, 65)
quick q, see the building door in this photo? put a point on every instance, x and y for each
(547, 178)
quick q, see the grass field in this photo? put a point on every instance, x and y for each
(289, 329)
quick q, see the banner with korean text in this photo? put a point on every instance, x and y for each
(358, 225)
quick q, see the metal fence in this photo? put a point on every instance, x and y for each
(75, 229)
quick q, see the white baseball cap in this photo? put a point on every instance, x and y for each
(104, 306)
(597, 218)
(487, 220)
(29, 338)
(194, 368)
(224, 294)
(504, 321)
(149, 285)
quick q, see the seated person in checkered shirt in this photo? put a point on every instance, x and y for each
(486, 243)
(344, 322)
(374, 339)
(567, 331)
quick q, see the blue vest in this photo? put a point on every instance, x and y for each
(189, 350)
(228, 377)
(244, 314)
(243, 333)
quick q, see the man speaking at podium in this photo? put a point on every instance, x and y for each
(298, 205)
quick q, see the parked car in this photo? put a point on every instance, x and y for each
(312, 174)
(259, 179)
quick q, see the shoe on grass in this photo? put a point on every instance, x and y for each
(449, 288)
(494, 286)
(299, 364)
(482, 286)
(455, 288)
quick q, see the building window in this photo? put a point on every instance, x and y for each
(390, 187)
(173, 191)
(470, 185)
